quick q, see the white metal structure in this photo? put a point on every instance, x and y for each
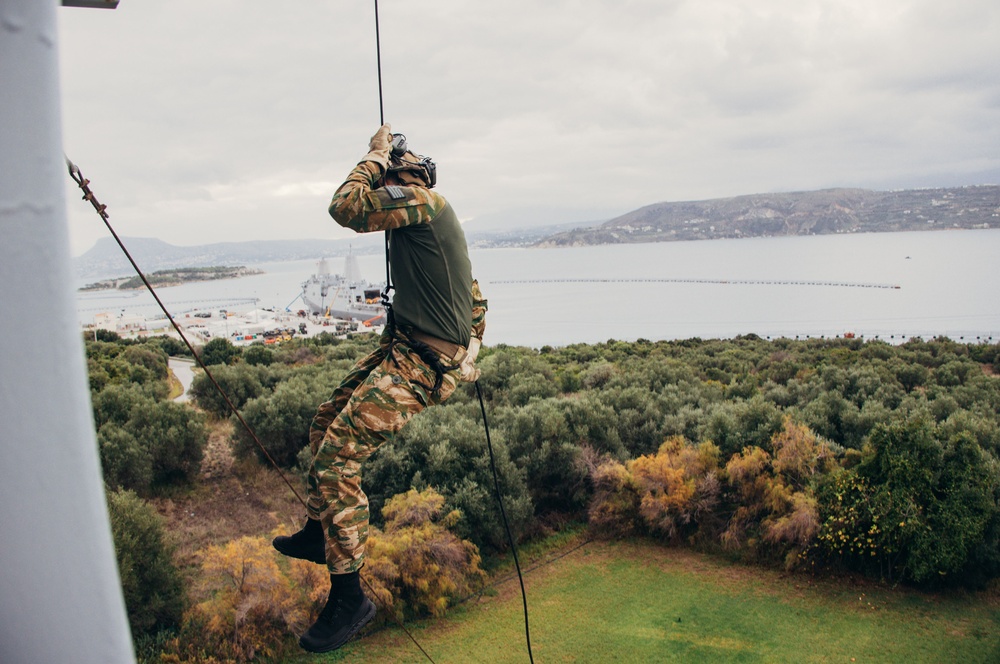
(60, 597)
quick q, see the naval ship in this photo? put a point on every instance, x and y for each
(346, 296)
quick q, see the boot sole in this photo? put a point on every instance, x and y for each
(368, 612)
(292, 551)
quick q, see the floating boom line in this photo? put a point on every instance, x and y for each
(679, 280)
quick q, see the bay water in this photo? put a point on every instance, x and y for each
(892, 286)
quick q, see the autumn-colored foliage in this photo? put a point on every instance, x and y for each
(614, 509)
(760, 504)
(255, 598)
(416, 564)
(678, 484)
(799, 455)
(776, 510)
(252, 603)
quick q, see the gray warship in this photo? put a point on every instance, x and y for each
(346, 296)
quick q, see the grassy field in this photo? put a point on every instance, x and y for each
(636, 602)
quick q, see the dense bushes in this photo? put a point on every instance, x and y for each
(775, 450)
(281, 421)
(145, 442)
(579, 433)
(444, 449)
(151, 584)
(251, 603)
(791, 422)
(922, 506)
(219, 351)
(919, 507)
(241, 383)
(758, 502)
(817, 454)
(757, 434)
(118, 363)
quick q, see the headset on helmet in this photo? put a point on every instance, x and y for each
(407, 168)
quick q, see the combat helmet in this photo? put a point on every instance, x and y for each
(407, 168)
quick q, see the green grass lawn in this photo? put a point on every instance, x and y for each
(638, 602)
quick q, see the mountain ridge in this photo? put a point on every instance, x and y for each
(818, 212)
(105, 258)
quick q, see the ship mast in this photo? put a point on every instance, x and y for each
(352, 272)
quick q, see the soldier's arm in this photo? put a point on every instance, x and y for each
(362, 208)
(479, 308)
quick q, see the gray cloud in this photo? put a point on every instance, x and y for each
(202, 122)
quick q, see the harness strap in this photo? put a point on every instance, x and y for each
(428, 348)
(446, 348)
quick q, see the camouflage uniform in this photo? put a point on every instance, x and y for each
(387, 388)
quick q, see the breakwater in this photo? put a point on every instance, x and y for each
(679, 280)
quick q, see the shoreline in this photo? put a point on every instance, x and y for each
(184, 276)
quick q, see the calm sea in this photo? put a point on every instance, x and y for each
(789, 286)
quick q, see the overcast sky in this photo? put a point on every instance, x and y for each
(203, 122)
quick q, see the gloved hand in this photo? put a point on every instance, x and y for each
(467, 362)
(378, 147)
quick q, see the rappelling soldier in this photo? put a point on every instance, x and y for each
(434, 329)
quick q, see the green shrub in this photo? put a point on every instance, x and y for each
(150, 582)
(918, 508)
(126, 463)
(240, 382)
(147, 444)
(127, 363)
(175, 436)
(219, 351)
(151, 358)
(556, 476)
(281, 421)
(107, 335)
(116, 403)
(258, 354)
(447, 450)
(170, 346)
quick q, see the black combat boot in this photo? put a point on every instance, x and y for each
(347, 610)
(307, 544)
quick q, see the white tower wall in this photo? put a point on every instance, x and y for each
(60, 597)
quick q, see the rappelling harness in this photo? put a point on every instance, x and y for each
(428, 348)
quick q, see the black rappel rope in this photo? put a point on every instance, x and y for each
(88, 195)
(386, 300)
(101, 209)
(506, 525)
(489, 444)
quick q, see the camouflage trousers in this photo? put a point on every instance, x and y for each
(375, 400)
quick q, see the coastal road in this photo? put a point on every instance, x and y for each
(182, 368)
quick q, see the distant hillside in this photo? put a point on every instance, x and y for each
(105, 259)
(802, 213)
(531, 219)
(519, 237)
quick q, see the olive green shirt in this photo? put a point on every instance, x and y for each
(428, 256)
